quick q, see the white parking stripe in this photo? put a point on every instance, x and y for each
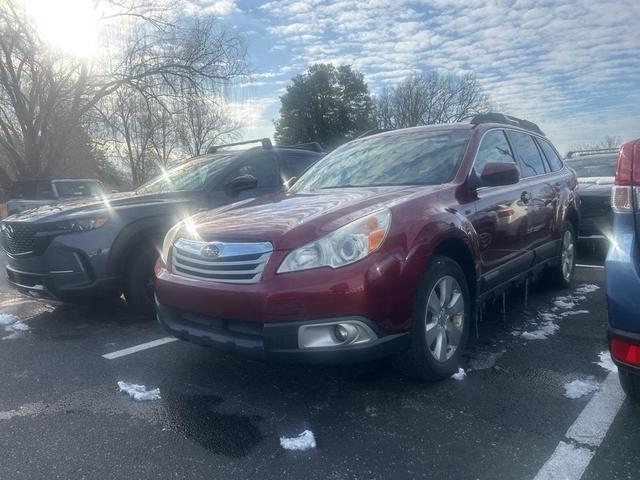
(569, 461)
(138, 348)
(583, 265)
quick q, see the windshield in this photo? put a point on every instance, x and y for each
(192, 176)
(594, 166)
(410, 157)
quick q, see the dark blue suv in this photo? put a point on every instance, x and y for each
(623, 270)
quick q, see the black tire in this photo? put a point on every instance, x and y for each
(630, 384)
(419, 361)
(139, 281)
(558, 276)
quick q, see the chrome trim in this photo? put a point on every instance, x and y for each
(188, 261)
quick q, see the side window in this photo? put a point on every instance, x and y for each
(529, 159)
(294, 164)
(493, 149)
(264, 167)
(45, 191)
(552, 157)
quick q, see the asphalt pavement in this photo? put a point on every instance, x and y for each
(221, 417)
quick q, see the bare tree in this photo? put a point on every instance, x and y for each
(609, 141)
(44, 95)
(203, 122)
(429, 99)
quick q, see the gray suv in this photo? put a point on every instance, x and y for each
(108, 246)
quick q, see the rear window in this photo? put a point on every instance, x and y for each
(414, 157)
(552, 156)
(528, 155)
(77, 189)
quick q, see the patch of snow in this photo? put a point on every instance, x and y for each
(587, 288)
(139, 393)
(606, 362)
(564, 303)
(305, 441)
(544, 330)
(18, 327)
(579, 388)
(574, 312)
(548, 316)
(7, 319)
(459, 375)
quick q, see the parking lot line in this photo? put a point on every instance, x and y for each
(572, 457)
(143, 346)
(584, 265)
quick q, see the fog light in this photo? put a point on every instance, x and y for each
(341, 333)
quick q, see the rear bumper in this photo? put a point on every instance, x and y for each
(276, 342)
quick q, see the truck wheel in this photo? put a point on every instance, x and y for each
(139, 281)
(442, 316)
(630, 384)
(562, 274)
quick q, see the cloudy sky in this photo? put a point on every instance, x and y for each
(572, 66)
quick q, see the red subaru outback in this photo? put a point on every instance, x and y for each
(384, 247)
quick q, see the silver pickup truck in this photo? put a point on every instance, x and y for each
(25, 195)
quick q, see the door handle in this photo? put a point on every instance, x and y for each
(525, 197)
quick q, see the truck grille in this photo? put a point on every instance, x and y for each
(18, 238)
(220, 261)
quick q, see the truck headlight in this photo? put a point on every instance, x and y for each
(346, 245)
(81, 224)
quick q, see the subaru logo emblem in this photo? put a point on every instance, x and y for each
(7, 230)
(210, 250)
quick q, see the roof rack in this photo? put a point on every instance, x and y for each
(266, 143)
(311, 146)
(507, 120)
(592, 151)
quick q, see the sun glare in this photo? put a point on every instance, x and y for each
(68, 25)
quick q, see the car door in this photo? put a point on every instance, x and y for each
(540, 192)
(500, 216)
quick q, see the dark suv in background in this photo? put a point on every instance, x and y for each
(25, 195)
(386, 246)
(102, 247)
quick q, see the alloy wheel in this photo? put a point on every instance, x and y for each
(444, 318)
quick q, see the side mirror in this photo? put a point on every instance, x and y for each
(499, 174)
(240, 183)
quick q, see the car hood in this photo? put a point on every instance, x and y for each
(96, 205)
(289, 220)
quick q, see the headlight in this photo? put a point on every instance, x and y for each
(346, 245)
(168, 242)
(80, 224)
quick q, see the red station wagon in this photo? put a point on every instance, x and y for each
(385, 247)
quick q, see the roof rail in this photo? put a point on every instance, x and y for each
(373, 131)
(311, 146)
(592, 151)
(507, 120)
(266, 143)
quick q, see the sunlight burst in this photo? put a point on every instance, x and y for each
(68, 25)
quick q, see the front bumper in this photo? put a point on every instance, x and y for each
(276, 342)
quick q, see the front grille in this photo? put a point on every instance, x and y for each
(18, 238)
(220, 261)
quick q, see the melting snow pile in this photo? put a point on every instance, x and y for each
(18, 327)
(459, 375)
(7, 319)
(606, 362)
(305, 441)
(579, 388)
(139, 393)
(562, 307)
